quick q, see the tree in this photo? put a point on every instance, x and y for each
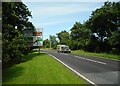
(53, 41)
(104, 21)
(0, 30)
(64, 37)
(115, 42)
(80, 36)
(46, 43)
(14, 20)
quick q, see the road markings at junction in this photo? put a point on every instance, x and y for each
(91, 60)
(73, 70)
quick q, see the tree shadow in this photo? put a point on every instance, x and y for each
(31, 55)
(9, 74)
(25, 58)
(12, 72)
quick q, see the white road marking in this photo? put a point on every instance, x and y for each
(73, 70)
(0, 61)
(91, 60)
(109, 59)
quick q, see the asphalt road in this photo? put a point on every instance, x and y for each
(98, 70)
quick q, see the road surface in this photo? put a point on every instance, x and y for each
(100, 71)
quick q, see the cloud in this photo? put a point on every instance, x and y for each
(48, 14)
(56, 11)
(55, 22)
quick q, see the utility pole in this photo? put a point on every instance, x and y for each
(50, 42)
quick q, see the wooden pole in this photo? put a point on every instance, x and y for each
(39, 49)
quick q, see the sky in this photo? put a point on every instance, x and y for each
(54, 17)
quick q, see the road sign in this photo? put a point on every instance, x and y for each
(38, 37)
(37, 40)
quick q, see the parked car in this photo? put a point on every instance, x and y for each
(63, 49)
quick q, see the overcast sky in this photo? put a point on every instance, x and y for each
(55, 17)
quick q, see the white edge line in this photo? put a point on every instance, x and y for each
(91, 60)
(73, 70)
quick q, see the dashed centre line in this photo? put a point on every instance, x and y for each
(91, 60)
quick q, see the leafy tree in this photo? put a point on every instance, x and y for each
(103, 22)
(53, 41)
(64, 37)
(14, 20)
(115, 42)
(46, 43)
(0, 30)
(80, 36)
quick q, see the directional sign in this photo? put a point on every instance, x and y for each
(39, 39)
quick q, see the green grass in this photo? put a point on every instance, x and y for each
(40, 68)
(104, 55)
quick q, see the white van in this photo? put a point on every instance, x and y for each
(63, 49)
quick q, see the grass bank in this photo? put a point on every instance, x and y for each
(104, 55)
(40, 68)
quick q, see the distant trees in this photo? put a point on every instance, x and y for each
(14, 20)
(46, 43)
(63, 37)
(53, 41)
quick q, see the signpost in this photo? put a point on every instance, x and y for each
(34, 38)
(38, 38)
(38, 41)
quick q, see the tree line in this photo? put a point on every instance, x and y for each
(100, 33)
(15, 18)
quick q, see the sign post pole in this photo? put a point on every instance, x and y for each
(39, 49)
(38, 37)
(39, 40)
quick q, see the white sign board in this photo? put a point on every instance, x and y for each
(38, 41)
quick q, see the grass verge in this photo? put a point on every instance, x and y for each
(40, 68)
(104, 55)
